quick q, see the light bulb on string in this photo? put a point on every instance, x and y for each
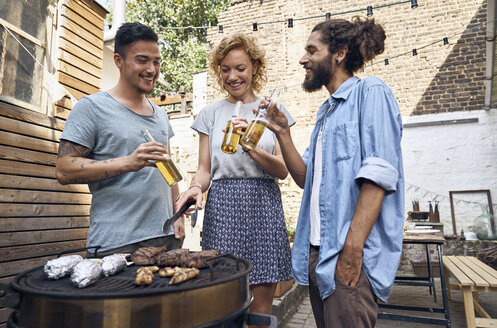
(220, 28)
(290, 22)
(446, 41)
(414, 52)
(254, 27)
(414, 4)
(387, 62)
(328, 16)
(370, 11)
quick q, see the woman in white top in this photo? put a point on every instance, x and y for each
(243, 211)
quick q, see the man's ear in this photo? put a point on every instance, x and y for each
(341, 54)
(118, 60)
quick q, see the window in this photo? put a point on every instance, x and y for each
(21, 78)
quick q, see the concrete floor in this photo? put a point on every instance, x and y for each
(406, 295)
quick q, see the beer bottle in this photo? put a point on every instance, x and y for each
(256, 128)
(231, 137)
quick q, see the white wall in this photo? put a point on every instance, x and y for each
(450, 157)
(110, 73)
(199, 92)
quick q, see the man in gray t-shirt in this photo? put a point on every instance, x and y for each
(101, 145)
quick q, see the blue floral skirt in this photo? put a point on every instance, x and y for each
(244, 217)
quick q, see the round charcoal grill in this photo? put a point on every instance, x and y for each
(218, 297)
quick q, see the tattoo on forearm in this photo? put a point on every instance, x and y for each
(70, 148)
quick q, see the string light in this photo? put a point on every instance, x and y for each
(414, 4)
(328, 16)
(290, 22)
(414, 52)
(446, 41)
(254, 27)
(386, 61)
(220, 28)
(370, 11)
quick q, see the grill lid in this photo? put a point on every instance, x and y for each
(222, 268)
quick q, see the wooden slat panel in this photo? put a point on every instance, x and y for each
(72, 34)
(65, 102)
(17, 140)
(76, 93)
(92, 5)
(28, 169)
(6, 280)
(463, 266)
(30, 116)
(456, 272)
(87, 13)
(82, 64)
(81, 53)
(12, 210)
(44, 236)
(31, 196)
(80, 25)
(28, 129)
(43, 223)
(23, 155)
(19, 182)
(77, 84)
(76, 72)
(484, 270)
(16, 267)
(28, 251)
(61, 112)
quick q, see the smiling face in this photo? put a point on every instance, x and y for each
(237, 73)
(318, 63)
(140, 66)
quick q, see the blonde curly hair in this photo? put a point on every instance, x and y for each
(255, 52)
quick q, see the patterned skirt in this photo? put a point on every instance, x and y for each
(244, 217)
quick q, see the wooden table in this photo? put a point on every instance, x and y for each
(428, 240)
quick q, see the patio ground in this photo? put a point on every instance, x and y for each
(403, 295)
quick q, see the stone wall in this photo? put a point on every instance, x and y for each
(438, 83)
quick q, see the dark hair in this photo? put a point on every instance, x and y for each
(128, 33)
(363, 38)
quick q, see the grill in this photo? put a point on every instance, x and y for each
(218, 297)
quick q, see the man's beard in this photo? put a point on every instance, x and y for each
(321, 76)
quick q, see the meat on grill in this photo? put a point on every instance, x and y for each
(186, 259)
(147, 255)
(174, 258)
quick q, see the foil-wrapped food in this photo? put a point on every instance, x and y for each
(86, 273)
(62, 266)
(112, 264)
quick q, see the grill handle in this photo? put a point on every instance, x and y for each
(8, 297)
(80, 250)
(219, 256)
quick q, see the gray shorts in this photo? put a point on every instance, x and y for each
(169, 241)
(347, 307)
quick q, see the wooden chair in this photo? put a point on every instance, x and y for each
(473, 276)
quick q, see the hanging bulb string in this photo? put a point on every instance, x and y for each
(417, 188)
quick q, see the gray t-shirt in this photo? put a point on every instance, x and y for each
(131, 207)
(212, 120)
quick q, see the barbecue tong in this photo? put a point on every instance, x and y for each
(169, 222)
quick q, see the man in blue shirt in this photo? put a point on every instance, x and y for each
(348, 240)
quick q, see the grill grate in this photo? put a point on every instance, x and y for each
(225, 268)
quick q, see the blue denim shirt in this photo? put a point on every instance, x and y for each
(362, 129)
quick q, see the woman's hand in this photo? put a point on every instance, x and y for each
(240, 124)
(193, 193)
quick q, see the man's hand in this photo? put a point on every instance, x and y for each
(145, 154)
(179, 228)
(277, 119)
(349, 265)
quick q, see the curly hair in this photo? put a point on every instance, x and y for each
(255, 52)
(363, 38)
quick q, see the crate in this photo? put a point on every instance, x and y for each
(421, 268)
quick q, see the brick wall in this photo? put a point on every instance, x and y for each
(441, 78)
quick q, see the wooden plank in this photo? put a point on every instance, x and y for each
(80, 24)
(16, 267)
(456, 272)
(82, 64)
(4, 314)
(13, 210)
(45, 249)
(94, 6)
(486, 322)
(23, 155)
(9, 124)
(31, 196)
(172, 99)
(43, 223)
(61, 112)
(30, 116)
(19, 182)
(79, 74)
(86, 13)
(76, 93)
(485, 271)
(468, 270)
(43, 236)
(17, 140)
(65, 102)
(86, 41)
(77, 84)
(6, 280)
(28, 169)
(80, 53)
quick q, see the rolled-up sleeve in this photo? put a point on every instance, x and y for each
(381, 133)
